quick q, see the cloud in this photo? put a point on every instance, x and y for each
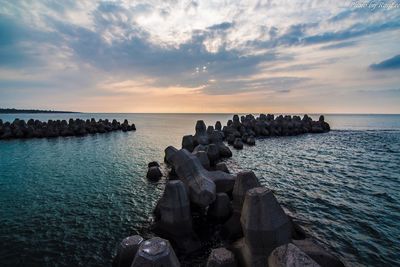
(303, 67)
(168, 66)
(261, 85)
(18, 84)
(382, 92)
(349, 14)
(356, 30)
(221, 26)
(214, 48)
(339, 45)
(299, 34)
(11, 33)
(388, 64)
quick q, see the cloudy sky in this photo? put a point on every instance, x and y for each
(201, 56)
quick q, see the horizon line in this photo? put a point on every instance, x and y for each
(206, 113)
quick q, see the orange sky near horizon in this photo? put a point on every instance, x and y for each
(189, 100)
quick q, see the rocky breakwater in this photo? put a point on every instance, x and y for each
(55, 128)
(247, 128)
(227, 219)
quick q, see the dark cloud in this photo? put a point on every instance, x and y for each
(356, 13)
(14, 52)
(294, 35)
(191, 5)
(263, 85)
(353, 13)
(353, 31)
(297, 35)
(10, 31)
(17, 84)
(339, 45)
(222, 26)
(303, 67)
(382, 92)
(62, 7)
(388, 64)
(273, 32)
(341, 15)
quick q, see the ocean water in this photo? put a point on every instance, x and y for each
(69, 201)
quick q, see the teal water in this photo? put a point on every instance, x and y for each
(69, 201)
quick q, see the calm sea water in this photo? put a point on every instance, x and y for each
(69, 201)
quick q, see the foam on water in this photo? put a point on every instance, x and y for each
(70, 201)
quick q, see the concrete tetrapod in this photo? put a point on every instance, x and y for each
(153, 164)
(221, 257)
(221, 166)
(220, 209)
(217, 138)
(189, 169)
(55, 128)
(169, 153)
(322, 256)
(224, 151)
(204, 160)
(127, 250)
(174, 208)
(289, 255)
(224, 182)
(155, 252)
(173, 217)
(199, 148)
(188, 142)
(244, 181)
(212, 153)
(269, 125)
(154, 173)
(265, 227)
(218, 126)
(201, 136)
(265, 224)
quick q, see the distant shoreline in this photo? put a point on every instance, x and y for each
(27, 111)
(30, 111)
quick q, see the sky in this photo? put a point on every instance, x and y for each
(286, 56)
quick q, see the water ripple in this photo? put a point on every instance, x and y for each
(342, 186)
(69, 201)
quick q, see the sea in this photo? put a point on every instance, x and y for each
(70, 201)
